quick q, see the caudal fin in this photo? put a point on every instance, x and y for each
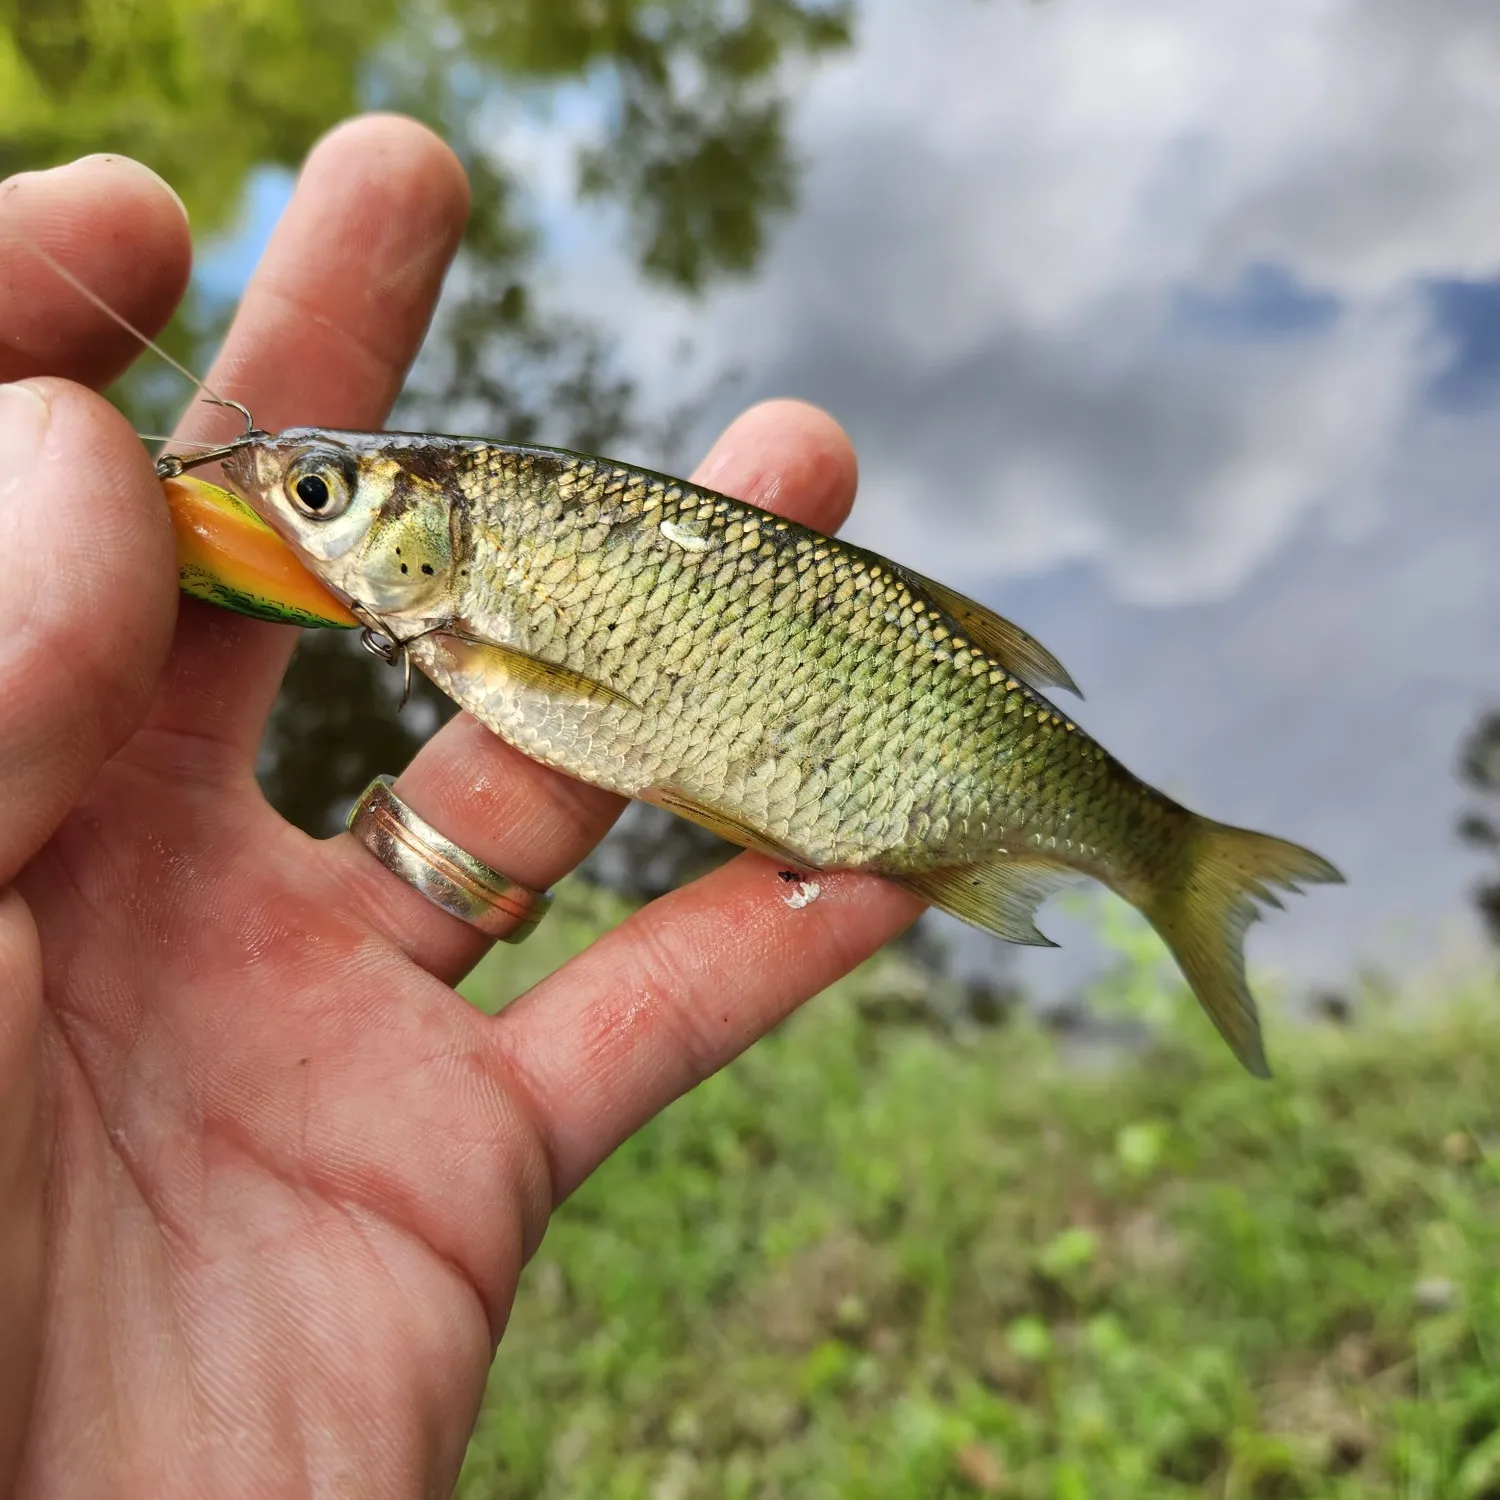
(1203, 914)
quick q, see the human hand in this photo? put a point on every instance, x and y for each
(266, 1181)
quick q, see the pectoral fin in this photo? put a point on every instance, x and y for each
(1011, 646)
(726, 824)
(1001, 895)
(471, 655)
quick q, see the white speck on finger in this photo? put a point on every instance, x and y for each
(803, 893)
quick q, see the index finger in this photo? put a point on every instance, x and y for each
(331, 319)
(117, 227)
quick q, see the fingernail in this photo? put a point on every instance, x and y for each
(23, 420)
(129, 164)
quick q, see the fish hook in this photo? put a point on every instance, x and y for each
(385, 645)
(174, 465)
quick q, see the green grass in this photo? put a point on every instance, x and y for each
(881, 1262)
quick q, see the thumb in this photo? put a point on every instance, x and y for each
(87, 600)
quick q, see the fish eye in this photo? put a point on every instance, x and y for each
(313, 491)
(319, 487)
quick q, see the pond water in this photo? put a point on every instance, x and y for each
(1171, 330)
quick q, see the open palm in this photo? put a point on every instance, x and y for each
(266, 1181)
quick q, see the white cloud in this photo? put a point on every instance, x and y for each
(1004, 205)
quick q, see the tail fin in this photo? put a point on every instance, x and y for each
(1203, 914)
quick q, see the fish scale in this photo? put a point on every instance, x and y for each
(797, 694)
(926, 733)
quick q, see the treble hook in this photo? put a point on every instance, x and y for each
(384, 646)
(174, 465)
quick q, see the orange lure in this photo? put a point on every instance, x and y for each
(227, 555)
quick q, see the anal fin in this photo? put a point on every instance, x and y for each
(1001, 894)
(472, 655)
(727, 825)
(998, 637)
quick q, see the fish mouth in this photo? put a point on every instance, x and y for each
(246, 470)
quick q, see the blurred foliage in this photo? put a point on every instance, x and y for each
(204, 90)
(1479, 765)
(694, 145)
(334, 729)
(691, 143)
(866, 1262)
(200, 90)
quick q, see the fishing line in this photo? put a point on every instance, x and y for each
(202, 390)
(199, 385)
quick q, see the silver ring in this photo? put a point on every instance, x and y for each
(450, 877)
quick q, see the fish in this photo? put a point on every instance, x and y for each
(796, 694)
(793, 693)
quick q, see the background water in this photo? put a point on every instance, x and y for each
(1170, 330)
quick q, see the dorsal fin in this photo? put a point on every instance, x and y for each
(1011, 646)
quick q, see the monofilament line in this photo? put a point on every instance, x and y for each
(200, 386)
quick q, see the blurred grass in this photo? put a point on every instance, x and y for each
(884, 1262)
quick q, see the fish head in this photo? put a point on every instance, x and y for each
(368, 513)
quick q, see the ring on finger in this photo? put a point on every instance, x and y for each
(449, 876)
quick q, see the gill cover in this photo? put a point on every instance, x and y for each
(406, 557)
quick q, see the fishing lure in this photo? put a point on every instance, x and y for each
(226, 555)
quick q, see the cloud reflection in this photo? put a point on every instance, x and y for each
(1134, 282)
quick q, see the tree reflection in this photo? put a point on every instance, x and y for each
(691, 142)
(693, 139)
(1480, 767)
(199, 90)
(334, 728)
